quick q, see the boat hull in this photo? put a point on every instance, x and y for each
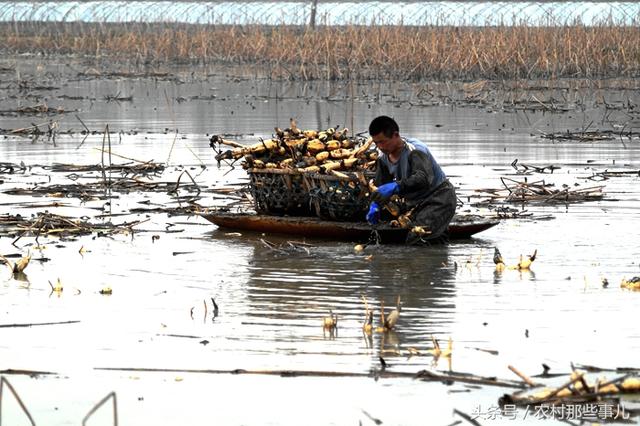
(460, 228)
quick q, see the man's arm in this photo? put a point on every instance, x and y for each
(382, 174)
(421, 173)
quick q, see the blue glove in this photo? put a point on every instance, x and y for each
(374, 213)
(384, 192)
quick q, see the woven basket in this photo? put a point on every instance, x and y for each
(279, 192)
(338, 198)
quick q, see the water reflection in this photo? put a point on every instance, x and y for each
(522, 275)
(22, 278)
(290, 292)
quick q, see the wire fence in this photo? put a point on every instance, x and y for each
(446, 13)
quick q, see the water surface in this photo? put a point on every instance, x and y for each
(272, 304)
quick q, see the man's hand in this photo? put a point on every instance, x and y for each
(374, 213)
(384, 192)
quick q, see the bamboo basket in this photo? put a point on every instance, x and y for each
(279, 192)
(340, 198)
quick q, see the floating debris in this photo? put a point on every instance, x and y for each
(631, 284)
(508, 212)
(330, 322)
(49, 128)
(525, 262)
(367, 327)
(535, 104)
(540, 192)
(522, 168)
(34, 110)
(52, 127)
(96, 190)
(147, 168)
(606, 174)
(49, 224)
(287, 248)
(590, 135)
(437, 352)
(93, 73)
(11, 168)
(576, 390)
(392, 319)
(118, 98)
(18, 267)
(57, 287)
(498, 260)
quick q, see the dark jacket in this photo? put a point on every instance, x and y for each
(423, 185)
(417, 172)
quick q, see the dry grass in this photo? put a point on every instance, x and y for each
(377, 52)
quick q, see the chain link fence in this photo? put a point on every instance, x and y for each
(458, 13)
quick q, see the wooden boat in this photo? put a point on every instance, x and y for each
(461, 227)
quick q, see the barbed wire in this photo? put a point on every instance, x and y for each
(459, 13)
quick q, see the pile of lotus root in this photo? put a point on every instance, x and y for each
(308, 151)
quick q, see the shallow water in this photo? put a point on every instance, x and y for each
(271, 304)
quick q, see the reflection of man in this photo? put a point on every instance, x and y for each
(425, 284)
(407, 168)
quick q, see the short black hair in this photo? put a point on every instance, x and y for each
(383, 124)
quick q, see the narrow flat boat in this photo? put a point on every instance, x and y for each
(462, 226)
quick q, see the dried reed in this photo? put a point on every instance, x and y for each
(350, 52)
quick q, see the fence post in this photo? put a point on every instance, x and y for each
(312, 18)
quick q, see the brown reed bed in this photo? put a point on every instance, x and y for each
(358, 52)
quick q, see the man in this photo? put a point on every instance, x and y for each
(407, 168)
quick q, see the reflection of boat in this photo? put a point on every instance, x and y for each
(460, 227)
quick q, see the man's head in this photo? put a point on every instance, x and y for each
(386, 134)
